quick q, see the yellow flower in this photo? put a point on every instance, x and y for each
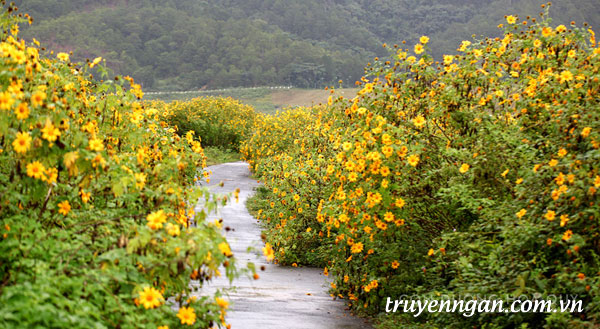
(521, 213)
(22, 111)
(64, 207)
(162, 327)
(51, 175)
(150, 298)
(49, 132)
(511, 19)
(95, 144)
(63, 57)
(568, 234)
(561, 28)
(140, 180)
(22, 143)
(597, 181)
(585, 132)
(424, 40)
(563, 220)
(565, 76)
(224, 248)
(504, 173)
(552, 162)
(85, 196)
(537, 43)
(268, 252)
(395, 264)
(464, 168)
(399, 203)
(187, 315)
(547, 31)
(562, 152)
(419, 49)
(156, 219)
(352, 177)
(550, 215)
(6, 100)
(387, 151)
(448, 59)
(464, 45)
(413, 160)
(37, 99)
(173, 229)
(357, 247)
(347, 146)
(419, 121)
(36, 170)
(222, 303)
(95, 62)
(430, 252)
(388, 217)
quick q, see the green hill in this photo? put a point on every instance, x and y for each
(189, 44)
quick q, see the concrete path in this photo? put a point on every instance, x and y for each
(283, 297)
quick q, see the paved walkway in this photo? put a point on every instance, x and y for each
(283, 297)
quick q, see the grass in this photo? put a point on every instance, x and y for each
(217, 155)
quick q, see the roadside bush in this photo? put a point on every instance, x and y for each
(290, 152)
(97, 196)
(475, 175)
(220, 122)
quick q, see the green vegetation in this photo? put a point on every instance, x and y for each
(475, 176)
(187, 44)
(97, 201)
(218, 155)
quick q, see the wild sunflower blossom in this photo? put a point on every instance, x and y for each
(96, 145)
(49, 132)
(357, 247)
(22, 111)
(149, 297)
(419, 49)
(22, 143)
(187, 315)
(156, 219)
(35, 169)
(413, 160)
(268, 252)
(64, 207)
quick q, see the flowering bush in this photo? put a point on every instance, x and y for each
(475, 175)
(96, 201)
(220, 122)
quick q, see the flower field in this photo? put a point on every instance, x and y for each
(474, 175)
(97, 197)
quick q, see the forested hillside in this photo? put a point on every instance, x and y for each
(183, 44)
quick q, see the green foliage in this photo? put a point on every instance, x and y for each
(217, 155)
(175, 45)
(475, 176)
(97, 201)
(218, 122)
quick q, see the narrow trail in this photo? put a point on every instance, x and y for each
(283, 297)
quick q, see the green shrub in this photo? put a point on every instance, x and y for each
(477, 175)
(96, 200)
